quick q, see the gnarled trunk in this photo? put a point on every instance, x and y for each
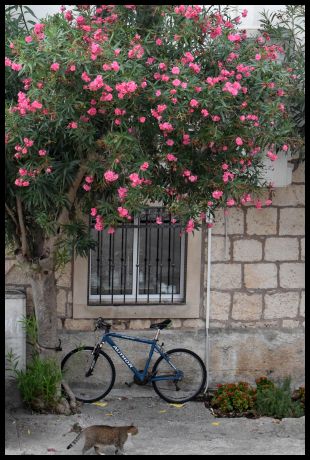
(45, 303)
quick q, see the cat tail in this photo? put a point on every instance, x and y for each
(74, 441)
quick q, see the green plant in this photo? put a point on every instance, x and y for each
(39, 383)
(299, 395)
(276, 401)
(234, 398)
(30, 325)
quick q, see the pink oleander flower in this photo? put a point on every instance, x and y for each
(143, 84)
(204, 112)
(16, 67)
(28, 142)
(111, 230)
(230, 202)
(244, 13)
(186, 139)
(175, 70)
(268, 202)
(122, 212)
(55, 67)
(158, 42)
(285, 147)
(38, 28)
(92, 111)
(110, 176)
(122, 193)
(190, 227)
(72, 125)
(86, 187)
(239, 141)
(184, 85)
(158, 220)
(272, 156)
(176, 82)
(28, 39)
(89, 179)
(234, 37)
(158, 93)
(217, 194)
(192, 178)
(22, 172)
(170, 142)
(171, 157)
(135, 179)
(258, 57)
(144, 166)
(258, 204)
(194, 103)
(93, 212)
(166, 127)
(142, 119)
(99, 226)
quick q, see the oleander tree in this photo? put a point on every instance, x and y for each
(119, 106)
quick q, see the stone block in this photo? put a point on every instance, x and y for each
(261, 221)
(64, 276)
(260, 276)
(140, 324)
(247, 250)
(293, 195)
(302, 304)
(61, 302)
(281, 305)
(79, 324)
(219, 252)
(302, 248)
(292, 275)
(9, 263)
(226, 276)
(299, 174)
(16, 275)
(281, 249)
(219, 305)
(194, 323)
(247, 307)
(290, 323)
(119, 325)
(176, 323)
(292, 221)
(234, 222)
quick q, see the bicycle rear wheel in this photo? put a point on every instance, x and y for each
(88, 384)
(191, 382)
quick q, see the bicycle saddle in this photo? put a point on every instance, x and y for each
(162, 325)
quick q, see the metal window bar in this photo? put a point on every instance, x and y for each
(160, 263)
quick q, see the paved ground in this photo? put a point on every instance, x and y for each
(163, 429)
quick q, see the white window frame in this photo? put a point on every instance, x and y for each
(141, 298)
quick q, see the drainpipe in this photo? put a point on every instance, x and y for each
(208, 221)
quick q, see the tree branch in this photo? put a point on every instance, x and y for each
(10, 213)
(22, 226)
(64, 215)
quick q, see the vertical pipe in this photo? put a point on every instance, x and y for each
(209, 221)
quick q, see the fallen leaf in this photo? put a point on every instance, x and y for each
(215, 423)
(110, 414)
(178, 406)
(29, 432)
(162, 411)
(100, 404)
(51, 449)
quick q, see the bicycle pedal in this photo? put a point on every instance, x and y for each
(130, 384)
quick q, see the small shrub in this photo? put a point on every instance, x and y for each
(276, 401)
(39, 384)
(234, 398)
(299, 395)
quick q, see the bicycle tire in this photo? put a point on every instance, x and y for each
(161, 388)
(107, 360)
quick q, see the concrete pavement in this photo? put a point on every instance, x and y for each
(163, 429)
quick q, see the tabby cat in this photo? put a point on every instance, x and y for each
(98, 436)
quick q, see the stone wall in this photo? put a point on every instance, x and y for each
(257, 293)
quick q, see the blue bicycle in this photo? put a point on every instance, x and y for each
(178, 375)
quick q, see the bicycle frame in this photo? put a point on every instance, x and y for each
(141, 375)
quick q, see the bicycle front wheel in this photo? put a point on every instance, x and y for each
(192, 376)
(89, 376)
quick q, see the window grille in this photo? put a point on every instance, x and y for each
(143, 262)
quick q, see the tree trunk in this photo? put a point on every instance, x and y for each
(43, 286)
(45, 303)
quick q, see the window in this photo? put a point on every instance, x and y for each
(142, 262)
